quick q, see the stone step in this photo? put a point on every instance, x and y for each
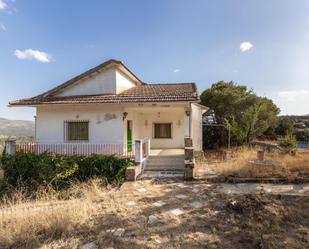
(165, 168)
(161, 174)
(166, 160)
(165, 163)
(166, 156)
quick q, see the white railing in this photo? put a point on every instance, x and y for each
(85, 149)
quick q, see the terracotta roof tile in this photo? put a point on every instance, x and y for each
(143, 93)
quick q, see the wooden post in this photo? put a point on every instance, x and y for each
(10, 147)
(260, 155)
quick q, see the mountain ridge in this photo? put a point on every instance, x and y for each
(10, 127)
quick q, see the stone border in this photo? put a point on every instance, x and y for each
(295, 180)
(275, 180)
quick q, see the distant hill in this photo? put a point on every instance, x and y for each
(16, 127)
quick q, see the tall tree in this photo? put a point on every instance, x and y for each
(247, 115)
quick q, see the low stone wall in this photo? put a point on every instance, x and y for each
(133, 172)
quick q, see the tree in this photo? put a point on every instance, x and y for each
(284, 127)
(247, 115)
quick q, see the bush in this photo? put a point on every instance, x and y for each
(57, 171)
(288, 143)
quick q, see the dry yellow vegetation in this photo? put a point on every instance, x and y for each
(241, 165)
(206, 218)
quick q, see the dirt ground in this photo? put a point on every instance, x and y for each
(153, 214)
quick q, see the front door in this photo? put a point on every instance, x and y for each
(129, 135)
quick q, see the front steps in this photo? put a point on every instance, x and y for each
(164, 166)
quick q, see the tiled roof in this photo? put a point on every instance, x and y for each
(143, 93)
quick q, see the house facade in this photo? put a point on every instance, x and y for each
(109, 104)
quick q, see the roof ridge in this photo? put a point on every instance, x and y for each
(170, 83)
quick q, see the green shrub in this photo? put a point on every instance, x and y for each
(34, 170)
(288, 143)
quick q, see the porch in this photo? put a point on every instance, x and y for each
(165, 125)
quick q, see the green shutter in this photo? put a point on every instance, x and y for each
(163, 130)
(157, 130)
(168, 128)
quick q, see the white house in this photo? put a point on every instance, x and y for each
(109, 104)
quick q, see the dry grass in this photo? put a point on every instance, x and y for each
(89, 212)
(240, 165)
(26, 222)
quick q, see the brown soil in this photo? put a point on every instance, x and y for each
(220, 221)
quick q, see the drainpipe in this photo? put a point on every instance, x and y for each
(35, 119)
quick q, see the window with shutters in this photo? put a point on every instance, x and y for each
(162, 130)
(76, 131)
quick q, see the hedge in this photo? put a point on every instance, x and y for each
(33, 170)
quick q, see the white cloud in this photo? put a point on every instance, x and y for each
(3, 5)
(2, 27)
(176, 70)
(30, 54)
(245, 46)
(293, 95)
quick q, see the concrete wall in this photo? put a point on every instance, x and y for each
(196, 127)
(105, 122)
(108, 81)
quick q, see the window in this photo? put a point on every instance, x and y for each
(77, 130)
(163, 130)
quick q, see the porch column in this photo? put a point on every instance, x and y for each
(138, 151)
(10, 147)
(186, 121)
(189, 159)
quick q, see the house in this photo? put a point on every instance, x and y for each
(110, 105)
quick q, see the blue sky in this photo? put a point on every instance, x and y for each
(44, 43)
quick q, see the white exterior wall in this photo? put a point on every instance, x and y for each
(50, 123)
(98, 83)
(109, 81)
(123, 82)
(196, 127)
(144, 119)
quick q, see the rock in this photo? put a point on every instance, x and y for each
(119, 232)
(195, 190)
(177, 212)
(159, 204)
(129, 233)
(181, 185)
(142, 190)
(90, 245)
(196, 204)
(167, 190)
(152, 220)
(157, 241)
(131, 203)
(181, 196)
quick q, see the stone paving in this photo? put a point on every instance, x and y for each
(171, 201)
(283, 189)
